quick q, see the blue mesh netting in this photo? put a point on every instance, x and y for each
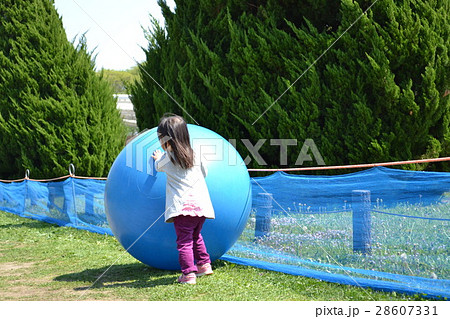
(381, 228)
(73, 202)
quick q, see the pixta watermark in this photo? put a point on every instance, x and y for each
(139, 151)
(307, 149)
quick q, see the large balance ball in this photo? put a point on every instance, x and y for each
(135, 197)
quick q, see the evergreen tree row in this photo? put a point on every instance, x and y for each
(366, 87)
(54, 108)
(119, 79)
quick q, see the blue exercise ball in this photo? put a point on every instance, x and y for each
(135, 198)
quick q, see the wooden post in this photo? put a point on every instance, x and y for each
(263, 215)
(361, 221)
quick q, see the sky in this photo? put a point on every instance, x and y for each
(113, 28)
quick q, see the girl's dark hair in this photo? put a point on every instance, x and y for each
(172, 129)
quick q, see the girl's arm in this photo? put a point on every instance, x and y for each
(158, 156)
(203, 166)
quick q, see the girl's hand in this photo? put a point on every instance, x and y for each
(157, 155)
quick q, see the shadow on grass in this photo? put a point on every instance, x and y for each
(32, 224)
(136, 275)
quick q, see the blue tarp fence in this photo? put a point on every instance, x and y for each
(382, 228)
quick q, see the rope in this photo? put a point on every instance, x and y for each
(71, 174)
(50, 179)
(418, 217)
(431, 160)
(72, 169)
(85, 177)
(12, 180)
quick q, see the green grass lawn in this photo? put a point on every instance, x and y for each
(40, 261)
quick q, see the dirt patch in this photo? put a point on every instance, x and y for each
(6, 245)
(14, 268)
(14, 286)
(22, 292)
(16, 293)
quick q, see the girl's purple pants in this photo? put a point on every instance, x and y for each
(190, 244)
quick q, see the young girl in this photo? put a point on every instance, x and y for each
(187, 198)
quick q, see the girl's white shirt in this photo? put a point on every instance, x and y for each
(186, 190)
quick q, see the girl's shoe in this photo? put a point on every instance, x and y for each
(204, 270)
(187, 279)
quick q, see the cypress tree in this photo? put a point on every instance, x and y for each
(54, 108)
(376, 94)
(393, 103)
